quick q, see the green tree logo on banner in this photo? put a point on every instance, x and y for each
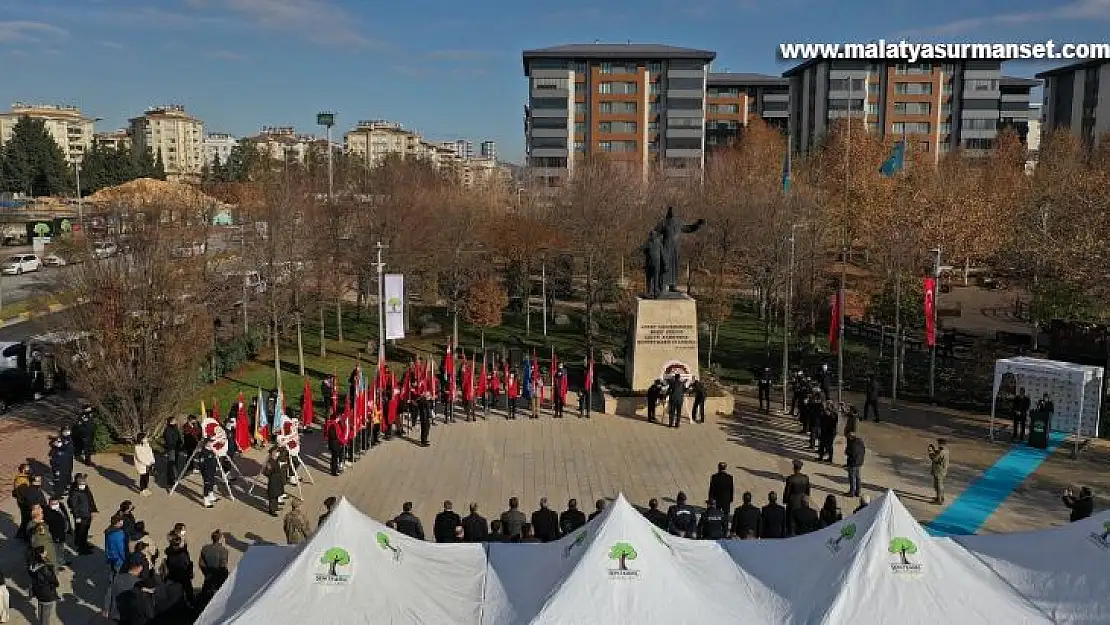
(394, 304)
(66, 225)
(42, 229)
(622, 553)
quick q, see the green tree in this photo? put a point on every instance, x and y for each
(159, 168)
(622, 552)
(334, 557)
(31, 161)
(145, 165)
(846, 533)
(901, 546)
(483, 304)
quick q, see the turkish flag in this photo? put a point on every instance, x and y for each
(308, 413)
(588, 386)
(930, 310)
(449, 371)
(834, 324)
(242, 426)
(482, 378)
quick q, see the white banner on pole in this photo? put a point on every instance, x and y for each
(394, 305)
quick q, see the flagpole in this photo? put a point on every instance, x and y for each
(844, 255)
(381, 307)
(898, 292)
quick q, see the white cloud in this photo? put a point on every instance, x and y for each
(319, 21)
(1075, 10)
(29, 32)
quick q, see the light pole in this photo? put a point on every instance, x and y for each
(786, 320)
(80, 200)
(381, 306)
(327, 120)
(933, 351)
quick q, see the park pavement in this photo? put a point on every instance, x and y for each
(489, 461)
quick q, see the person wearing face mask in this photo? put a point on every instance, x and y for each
(61, 465)
(144, 463)
(57, 521)
(82, 506)
(83, 432)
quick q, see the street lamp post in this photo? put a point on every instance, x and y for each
(381, 306)
(933, 351)
(786, 320)
(327, 120)
(80, 200)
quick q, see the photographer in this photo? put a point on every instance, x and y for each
(1082, 506)
(938, 456)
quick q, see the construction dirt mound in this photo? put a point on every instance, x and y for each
(149, 190)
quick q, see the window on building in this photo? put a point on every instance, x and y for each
(605, 127)
(605, 146)
(625, 107)
(653, 126)
(605, 107)
(978, 144)
(846, 84)
(606, 67)
(872, 109)
(579, 128)
(580, 67)
(946, 109)
(653, 108)
(912, 108)
(550, 84)
(579, 108)
(910, 128)
(980, 124)
(946, 128)
(623, 146)
(622, 127)
(724, 92)
(655, 67)
(684, 122)
(840, 104)
(981, 84)
(872, 127)
(728, 109)
(579, 146)
(905, 69)
(913, 88)
(653, 146)
(943, 146)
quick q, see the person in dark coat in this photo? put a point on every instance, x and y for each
(804, 519)
(657, 517)
(496, 535)
(746, 518)
(213, 565)
(572, 518)
(676, 395)
(57, 521)
(773, 519)
(1082, 506)
(830, 512)
(83, 432)
(829, 416)
(681, 518)
(1020, 414)
(82, 506)
(179, 568)
(721, 489)
(138, 606)
(61, 466)
(443, 527)
(44, 585)
(854, 452)
(408, 524)
(713, 524)
(512, 520)
(545, 523)
(654, 392)
(329, 505)
(697, 410)
(208, 462)
(172, 444)
(765, 383)
(275, 481)
(475, 527)
(871, 402)
(599, 507)
(335, 444)
(797, 486)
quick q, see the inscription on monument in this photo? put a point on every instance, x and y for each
(667, 335)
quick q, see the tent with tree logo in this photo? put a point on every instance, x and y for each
(875, 567)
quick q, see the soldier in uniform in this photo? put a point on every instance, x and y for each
(765, 383)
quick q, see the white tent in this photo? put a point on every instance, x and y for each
(1075, 390)
(1064, 571)
(876, 567)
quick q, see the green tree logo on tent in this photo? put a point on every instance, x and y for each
(66, 225)
(1102, 540)
(579, 540)
(334, 559)
(848, 532)
(1105, 531)
(622, 552)
(902, 547)
(42, 229)
(384, 543)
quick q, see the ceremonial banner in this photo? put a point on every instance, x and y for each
(930, 288)
(394, 305)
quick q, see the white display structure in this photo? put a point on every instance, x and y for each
(1075, 391)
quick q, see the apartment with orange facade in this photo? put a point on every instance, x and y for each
(937, 107)
(644, 106)
(734, 99)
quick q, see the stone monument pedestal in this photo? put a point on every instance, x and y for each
(664, 340)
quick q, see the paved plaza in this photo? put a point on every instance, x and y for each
(489, 461)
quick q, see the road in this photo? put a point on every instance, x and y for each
(37, 325)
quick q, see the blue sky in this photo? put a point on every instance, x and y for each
(447, 69)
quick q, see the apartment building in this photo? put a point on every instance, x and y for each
(1077, 97)
(218, 145)
(733, 99)
(371, 141)
(483, 172)
(643, 105)
(488, 150)
(937, 107)
(464, 148)
(71, 130)
(174, 135)
(284, 143)
(113, 140)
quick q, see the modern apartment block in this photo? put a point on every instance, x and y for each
(464, 148)
(1077, 97)
(218, 145)
(938, 107)
(489, 150)
(71, 130)
(173, 134)
(284, 143)
(734, 99)
(642, 105)
(113, 140)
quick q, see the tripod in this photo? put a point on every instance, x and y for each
(293, 460)
(219, 467)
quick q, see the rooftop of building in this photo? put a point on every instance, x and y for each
(617, 51)
(46, 110)
(744, 79)
(1014, 81)
(1074, 67)
(864, 63)
(176, 111)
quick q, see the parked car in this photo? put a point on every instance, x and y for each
(53, 260)
(104, 249)
(21, 263)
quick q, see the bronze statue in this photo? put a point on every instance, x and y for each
(653, 264)
(666, 273)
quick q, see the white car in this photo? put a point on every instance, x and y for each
(104, 249)
(21, 263)
(53, 260)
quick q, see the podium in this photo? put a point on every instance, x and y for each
(1038, 428)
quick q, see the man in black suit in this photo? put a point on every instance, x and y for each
(407, 523)
(746, 519)
(572, 518)
(797, 486)
(676, 395)
(475, 527)
(1020, 414)
(443, 527)
(804, 519)
(720, 488)
(657, 517)
(772, 519)
(545, 523)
